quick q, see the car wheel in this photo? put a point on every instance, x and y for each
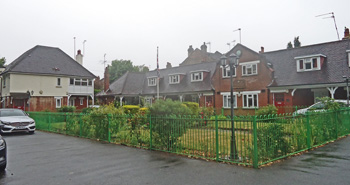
(3, 167)
(31, 132)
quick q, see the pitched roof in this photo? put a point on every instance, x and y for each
(47, 61)
(199, 56)
(134, 83)
(333, 69)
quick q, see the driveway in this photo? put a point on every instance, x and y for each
(45, 158)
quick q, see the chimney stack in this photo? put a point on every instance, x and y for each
(106, 79)
(190, 50)
(261, 49)
(168, 65)
(346, 34)
(79, 57)
(204, 47)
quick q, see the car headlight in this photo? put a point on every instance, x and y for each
(32, 122)
(5, 123)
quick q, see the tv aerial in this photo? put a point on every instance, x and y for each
(333, 17)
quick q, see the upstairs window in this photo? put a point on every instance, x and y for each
(226, 72)
(152, 81)
(249, 69)
(348, 51)
(309, 63)
(196, 76)
(174, 79)
(58, 81)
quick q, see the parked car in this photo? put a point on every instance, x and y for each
(3, 154)
(94, 106)
(318, 107)
(16, 120)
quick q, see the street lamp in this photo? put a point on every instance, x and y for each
(346, 79)
(233, 63)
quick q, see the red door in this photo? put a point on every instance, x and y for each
(279, 102)
(18, 104)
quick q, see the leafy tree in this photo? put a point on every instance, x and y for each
(289, 45)
(2, 62)
(297, 43)
(119, 67)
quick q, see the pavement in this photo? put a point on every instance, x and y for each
(47, 158)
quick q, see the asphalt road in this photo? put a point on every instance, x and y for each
(45, 159)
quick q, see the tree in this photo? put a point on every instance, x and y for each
(2, 62)
(297, 43)
(289, 45)
(120, 67)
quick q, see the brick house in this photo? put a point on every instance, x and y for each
(301, 75)
(46, 78)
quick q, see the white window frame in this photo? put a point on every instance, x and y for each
(58, 101)
(174, 79)
(196, 76)
(152, 81)
(59, 82)
(226, 100)
(148, 100)
(81, 101)
(246, 96)
(247, 67)
(348, 51)
(72, 101)
(226, 70)
(308, 60)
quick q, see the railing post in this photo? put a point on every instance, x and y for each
(308, 131)
(80, 125)
(336, 124)
(150, 132)
(49, 121)
(217, 137)
(255, 141)
(65, 114)
(109, 127)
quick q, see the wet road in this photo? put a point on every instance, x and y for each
(44, 159)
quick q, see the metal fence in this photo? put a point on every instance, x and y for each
(255, 142)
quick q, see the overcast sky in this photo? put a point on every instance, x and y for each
(133, 29)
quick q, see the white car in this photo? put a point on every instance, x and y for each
(318, 107)
(16, 120)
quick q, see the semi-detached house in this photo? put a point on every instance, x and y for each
(46, 78)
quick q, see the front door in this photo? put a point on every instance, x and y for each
(279, 102)
(18, 104)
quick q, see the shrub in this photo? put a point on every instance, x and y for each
(329, 103)
(193, 106)
(267, 110)
(169, 107)
(66, 109)
(131, 109)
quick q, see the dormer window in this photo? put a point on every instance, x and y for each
(197, 76)
(348, 51)
(309, 63)
(152, 81)
(250, 68)
(174, 79)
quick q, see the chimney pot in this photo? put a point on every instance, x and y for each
(79, 57)
(346, 33)
(262, 50)
(204, 47)
(190, 50)
(168, 65)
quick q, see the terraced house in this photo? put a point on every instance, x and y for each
(46, 78)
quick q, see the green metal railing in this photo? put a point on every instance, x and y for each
(258, 140)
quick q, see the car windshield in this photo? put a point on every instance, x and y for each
(9, 113)
(317, 106)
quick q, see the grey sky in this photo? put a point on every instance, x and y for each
(133, 29)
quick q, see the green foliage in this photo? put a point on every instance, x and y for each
(289, 45)
(96, 91)
(329, 103)
(193, 106)
(206, 111)
(267, 110)
(297, 43)
(169, 107)
(2, 62)
(66, 109)
(131, 109)
(119, 68)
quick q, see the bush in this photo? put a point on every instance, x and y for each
(169, 107)
(66, 109)
(131, 109)
(329, 103)
(267, 110)
(193, 106)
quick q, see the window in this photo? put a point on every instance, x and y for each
(77, 82)
(152, 82)
(226, 72)
(58, 102)
(249, 69)
(72, 101)
(81, 101)
(227, 101)
(84, 82)
(348, 51)
(250, 100)
(148, 100)
(197, 76)
(309, 63)
(90, 82)
(174, 79)
(4, 82)
(71, 81)
(58, 81)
